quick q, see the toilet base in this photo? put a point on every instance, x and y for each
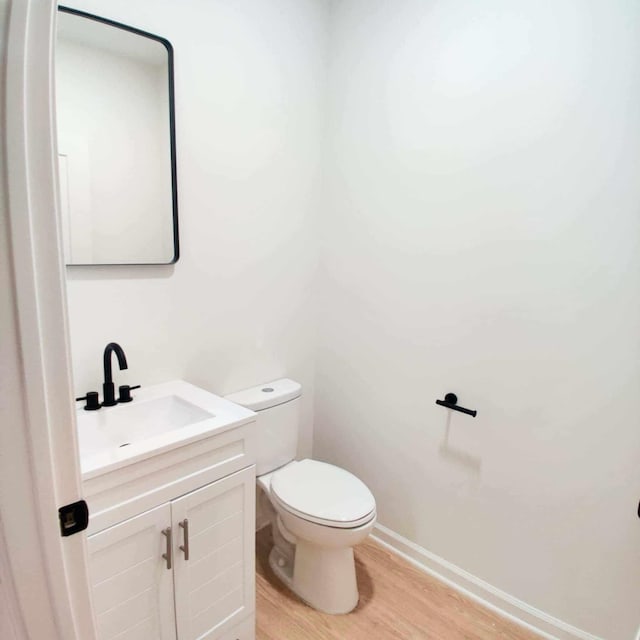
(325, 578)
(281, 566)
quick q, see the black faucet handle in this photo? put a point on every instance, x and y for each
(92, 401)
(124, 392)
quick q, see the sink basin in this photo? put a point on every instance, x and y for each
(159, 417)
(123, 424)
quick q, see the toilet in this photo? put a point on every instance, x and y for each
(318, 511)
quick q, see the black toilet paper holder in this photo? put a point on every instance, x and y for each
(451, 402)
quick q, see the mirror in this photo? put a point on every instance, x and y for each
(116, 142)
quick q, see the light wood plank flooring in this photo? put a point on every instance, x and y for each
(397, 601)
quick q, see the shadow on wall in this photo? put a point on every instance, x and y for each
(119, 272)
(456, 455)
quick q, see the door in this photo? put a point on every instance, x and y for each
(131, 580)
(214, 557)
(44, 576)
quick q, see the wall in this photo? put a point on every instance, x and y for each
(482, 236)
(238, 308)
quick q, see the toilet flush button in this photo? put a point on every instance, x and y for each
(267, 390)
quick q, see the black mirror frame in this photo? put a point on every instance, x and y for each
(172, 133)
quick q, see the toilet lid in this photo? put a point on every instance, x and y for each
(323, 493)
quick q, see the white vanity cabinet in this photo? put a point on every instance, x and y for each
(183, 567)
(132, 591)
(215, 586)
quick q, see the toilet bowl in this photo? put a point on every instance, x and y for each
(321, 512)
(318, 511)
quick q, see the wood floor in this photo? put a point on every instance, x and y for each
(397, 601)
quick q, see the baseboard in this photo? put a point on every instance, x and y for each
(499, 601)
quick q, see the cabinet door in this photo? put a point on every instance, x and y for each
(132, 587)
(215, 587)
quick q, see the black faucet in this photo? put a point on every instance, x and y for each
(108, 389)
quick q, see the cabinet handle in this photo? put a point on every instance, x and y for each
(168, 555)
(185, 525)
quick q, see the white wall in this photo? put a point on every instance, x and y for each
(482, 236)
(238, 308)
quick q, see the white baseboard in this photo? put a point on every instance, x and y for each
(479, 590)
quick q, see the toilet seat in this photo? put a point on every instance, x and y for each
(323, 493)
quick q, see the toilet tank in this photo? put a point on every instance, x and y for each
(277, 404)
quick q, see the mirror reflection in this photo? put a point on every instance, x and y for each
(116, 142)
